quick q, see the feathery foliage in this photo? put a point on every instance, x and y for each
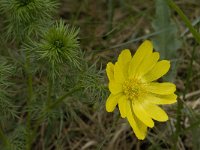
(26, 17)
(93, 84)
(18, 138)
(6, 106)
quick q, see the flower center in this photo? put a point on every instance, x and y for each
(133, 89)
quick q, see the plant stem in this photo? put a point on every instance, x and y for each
(180, 103)
(59, 100)
(53, 106)
(110, 14)
(49, 92)
(30, 95)
(178, 121)
(3, 138)
(185, 19)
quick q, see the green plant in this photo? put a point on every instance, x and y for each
(52, 76)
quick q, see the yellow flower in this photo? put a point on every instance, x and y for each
(134, 89)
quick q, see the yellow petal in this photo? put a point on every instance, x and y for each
(142, 114)
(144, 50)
(161, 68)
(161, 99)
(110, 71)
(115, 87)
(138, 127)
(148, 63)
(122, 106)
(142, 127)
(155, 112)
(112, 102)
(118, 73)
(165, 88)
(124, 57)
(124, 60)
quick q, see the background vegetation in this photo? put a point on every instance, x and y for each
(53, 85)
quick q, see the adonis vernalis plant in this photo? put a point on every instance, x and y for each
(133, 87)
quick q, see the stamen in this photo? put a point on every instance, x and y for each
(133, 89)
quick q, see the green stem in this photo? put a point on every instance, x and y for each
(110, 14)
(49, 92)
(185, 19)
(30, 95)
(180, 103)
(4, 139)
(60, 100)
(178, 121)
(53, 106)
(192, 126)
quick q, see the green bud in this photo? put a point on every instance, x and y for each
(60, 45)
